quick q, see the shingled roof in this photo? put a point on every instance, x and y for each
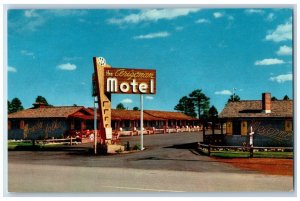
(87, 113)
(148, 115)
(47, 112)
(253, 108)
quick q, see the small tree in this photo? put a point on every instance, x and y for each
(213, 112)
(120, 106)
(234, 98)
(274, 98)
(15, 105)
(286, 97)
(213, 115)
(41, 99)
(135, 108)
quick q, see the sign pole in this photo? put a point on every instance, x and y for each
(142, 124)
(95, 125)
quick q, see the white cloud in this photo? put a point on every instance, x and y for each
(178, 28)
(267, 62)
(149, 97)
(30, 13)
(153, 15)
(283, 32)
(202, 21)
(27, 53)
(270, 17)
(32, 25)
(251, 11)
(224, 92)
(217, 15)
(282, 78)
(230, 17)
(67, 12)
(284, 50)
(11, 69)
(67, 66)
(36, 18)
(71, 58)
(153, 35)
(126, 100)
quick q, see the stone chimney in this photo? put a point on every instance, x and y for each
(266, 103)
(39, 105)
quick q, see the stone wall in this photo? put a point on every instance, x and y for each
(40, 129)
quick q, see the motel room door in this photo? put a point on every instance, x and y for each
(236, 127)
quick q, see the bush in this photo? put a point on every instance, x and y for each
(119, 151)
(137, 147)
(127, 146)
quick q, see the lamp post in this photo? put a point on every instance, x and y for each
(142, 124)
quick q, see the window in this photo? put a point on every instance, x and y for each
(15, 124)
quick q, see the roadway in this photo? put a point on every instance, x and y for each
(168, 164)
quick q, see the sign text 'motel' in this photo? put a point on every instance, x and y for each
(129, 81)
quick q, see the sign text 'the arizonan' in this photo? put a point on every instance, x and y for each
(129, 81)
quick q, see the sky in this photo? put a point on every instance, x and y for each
(220, 51)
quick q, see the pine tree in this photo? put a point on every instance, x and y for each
(234, 98)
(186, 106)
(120, 106)
(213, 112)
(286, 97)
(15, 105)
(41, 99)
(201, 102)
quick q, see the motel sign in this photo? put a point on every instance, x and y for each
(129, 81)
(120, 81)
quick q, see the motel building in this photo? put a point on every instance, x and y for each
(271, 122)
(40, 122)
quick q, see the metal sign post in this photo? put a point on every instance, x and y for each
(95, 125)
(142, 124)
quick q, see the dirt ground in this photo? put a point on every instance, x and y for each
(264, 165)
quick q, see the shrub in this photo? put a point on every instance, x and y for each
(137, 147)
(119, 150)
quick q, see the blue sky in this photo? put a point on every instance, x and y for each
(50, 53)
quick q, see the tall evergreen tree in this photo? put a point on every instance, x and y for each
(213, 112)
(9, 107)
(15, 105)
(186, 106)
(201, 102)
(286, 97)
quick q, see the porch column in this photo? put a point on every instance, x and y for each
(222, 128)
(22, 124)
(82, 125)
(8, 124)
(72, 125)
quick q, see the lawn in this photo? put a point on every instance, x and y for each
(260, 154)
(29, 146)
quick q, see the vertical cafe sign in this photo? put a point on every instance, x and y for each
(129, 81)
